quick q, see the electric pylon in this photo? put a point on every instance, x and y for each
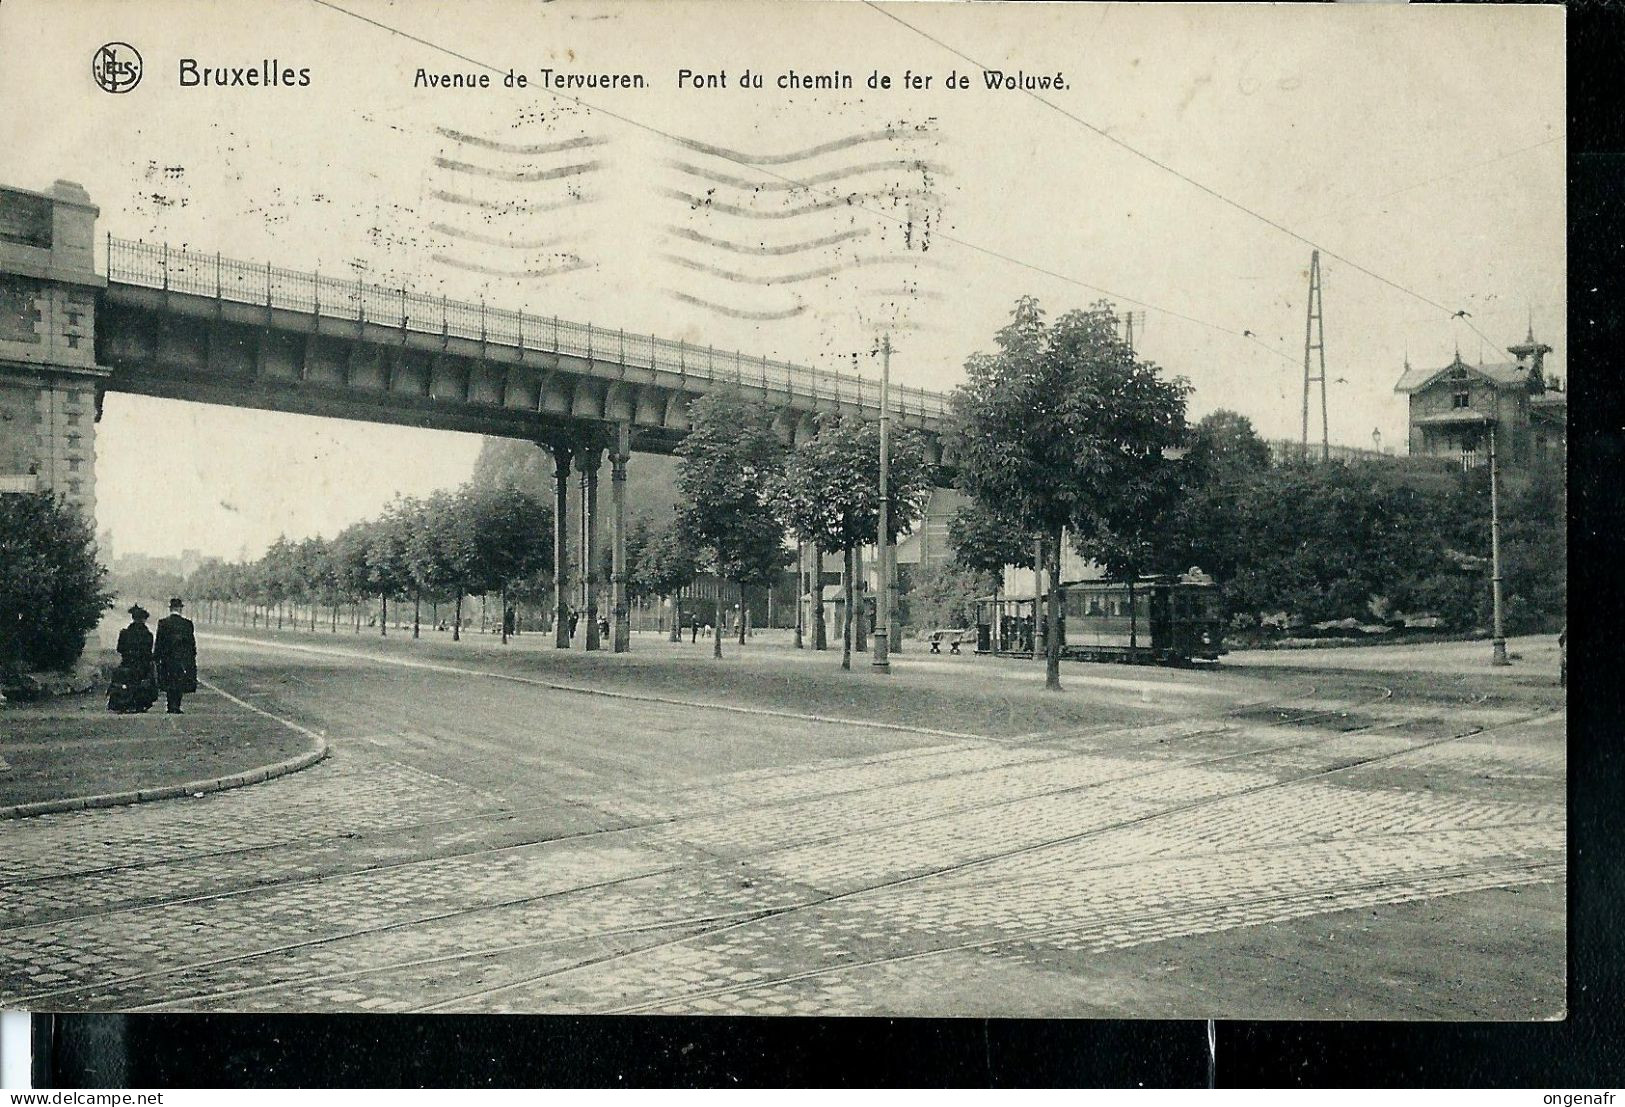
(1314, 341)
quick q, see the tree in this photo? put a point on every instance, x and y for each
(669, 563)
(984, 541)
(1224, 445)
(946, 595)
(729, 466)
(512, 535)
(441, 551)
(52, 590)
(279, 576)
(1064, 428)
(830, 493)
(387, 570)
(351, 573)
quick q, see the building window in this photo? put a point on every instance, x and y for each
(73, 418)
(1461, 399)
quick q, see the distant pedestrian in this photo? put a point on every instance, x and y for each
(694, 629)
(133, 687)
(175, 652)
(603, 628)
(508, 620)
(574, 619)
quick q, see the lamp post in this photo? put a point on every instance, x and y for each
(1498, 644)
(881, 633)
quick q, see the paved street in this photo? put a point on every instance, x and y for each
(487, 836)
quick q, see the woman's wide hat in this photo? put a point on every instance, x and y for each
(138, 612)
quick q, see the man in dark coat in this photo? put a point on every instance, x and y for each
(175, 652)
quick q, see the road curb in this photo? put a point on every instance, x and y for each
(172, 791)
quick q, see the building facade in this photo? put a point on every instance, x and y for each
(1453, 408)
(48, 370)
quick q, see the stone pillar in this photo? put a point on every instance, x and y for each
(622, 621)
(561, 547)
(587, 462)
(50, 384)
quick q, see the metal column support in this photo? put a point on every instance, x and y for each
(622, 624)
(561, 547)
(881, 662)
(587, 462)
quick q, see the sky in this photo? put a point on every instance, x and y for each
(1421, 147)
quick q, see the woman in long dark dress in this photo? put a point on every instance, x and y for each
(134, 686)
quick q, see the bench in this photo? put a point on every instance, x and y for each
(954, 638)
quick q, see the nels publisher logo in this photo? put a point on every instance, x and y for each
(116, 67)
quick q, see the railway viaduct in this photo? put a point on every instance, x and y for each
(190, 325)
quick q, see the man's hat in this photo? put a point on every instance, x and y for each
(137, 611)
(175, 603)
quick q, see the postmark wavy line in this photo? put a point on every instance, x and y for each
(570, 266)
(762, 249)
(518, 176)
(851, 199)
(736, 313)
(530, 149)
(796, 155)
(912, 165)
(494, 240)
(787, 278)
(908, 293)
(527, 206)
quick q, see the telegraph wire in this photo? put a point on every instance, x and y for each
(1194, 183)
(944, 236)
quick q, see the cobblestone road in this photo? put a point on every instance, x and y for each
(451, 854)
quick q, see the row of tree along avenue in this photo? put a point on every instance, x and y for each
(1060, 434)
(1063, 431)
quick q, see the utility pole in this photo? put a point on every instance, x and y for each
(1498, 644)
(881, 635)
(1314, 340)
(1128, 327)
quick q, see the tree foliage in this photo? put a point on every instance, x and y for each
(52, 589)
(945, 596)
(729, 468)
(830, 494)
(1064, 429)
(986, 540)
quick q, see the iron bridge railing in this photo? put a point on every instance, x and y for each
(158, 265)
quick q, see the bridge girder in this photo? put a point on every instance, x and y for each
(188, 346)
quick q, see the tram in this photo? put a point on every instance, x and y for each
(1163, 620)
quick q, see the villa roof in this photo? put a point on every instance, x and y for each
(1508, 374)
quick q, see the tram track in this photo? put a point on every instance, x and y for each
(890, 885)
(993, 943)
(711, 923)
(766, 914)
(515, 806)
